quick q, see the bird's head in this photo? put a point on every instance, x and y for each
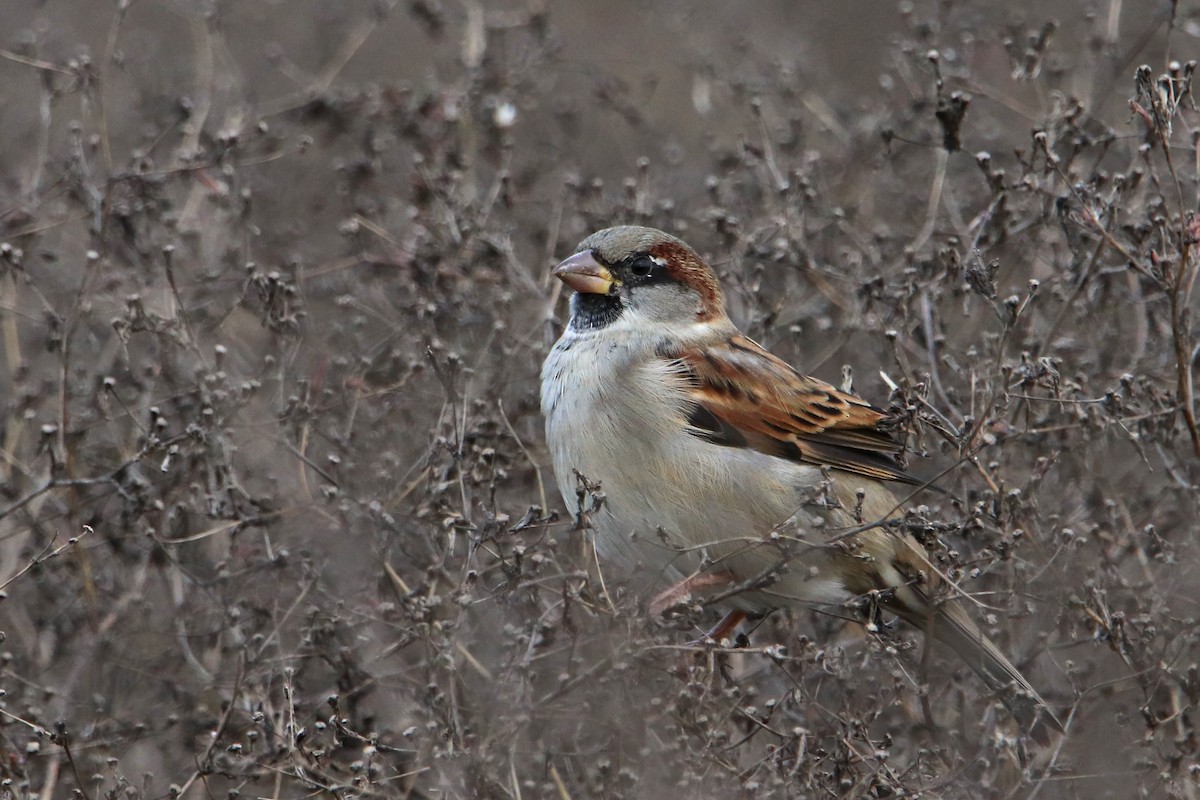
(639, 277)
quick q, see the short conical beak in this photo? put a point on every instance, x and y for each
(583, 273)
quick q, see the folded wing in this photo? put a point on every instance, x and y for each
(788, 414)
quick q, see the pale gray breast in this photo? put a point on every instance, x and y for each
(672, 499)
(599, 412)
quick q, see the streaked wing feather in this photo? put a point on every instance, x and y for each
(746, 397)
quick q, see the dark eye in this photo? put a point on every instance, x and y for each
(642, 266)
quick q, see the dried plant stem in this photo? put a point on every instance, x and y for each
(1179, 298)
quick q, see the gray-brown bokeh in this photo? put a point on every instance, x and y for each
(274, 292)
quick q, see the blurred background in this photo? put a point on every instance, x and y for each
(275, 514)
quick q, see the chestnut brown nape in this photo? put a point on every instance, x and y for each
(613, 245)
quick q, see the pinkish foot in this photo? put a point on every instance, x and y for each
(720, 632)
(683, 591)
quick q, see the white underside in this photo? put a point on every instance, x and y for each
(675, 503)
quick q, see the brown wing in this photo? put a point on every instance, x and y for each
(746, 397)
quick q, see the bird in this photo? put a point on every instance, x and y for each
(723, 471)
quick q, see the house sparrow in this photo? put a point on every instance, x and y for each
(725, 470)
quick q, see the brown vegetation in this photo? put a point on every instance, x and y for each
(274, 294)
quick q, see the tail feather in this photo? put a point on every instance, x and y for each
(949, 624)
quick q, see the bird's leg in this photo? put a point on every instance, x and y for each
(722, 629)
(681, 592)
